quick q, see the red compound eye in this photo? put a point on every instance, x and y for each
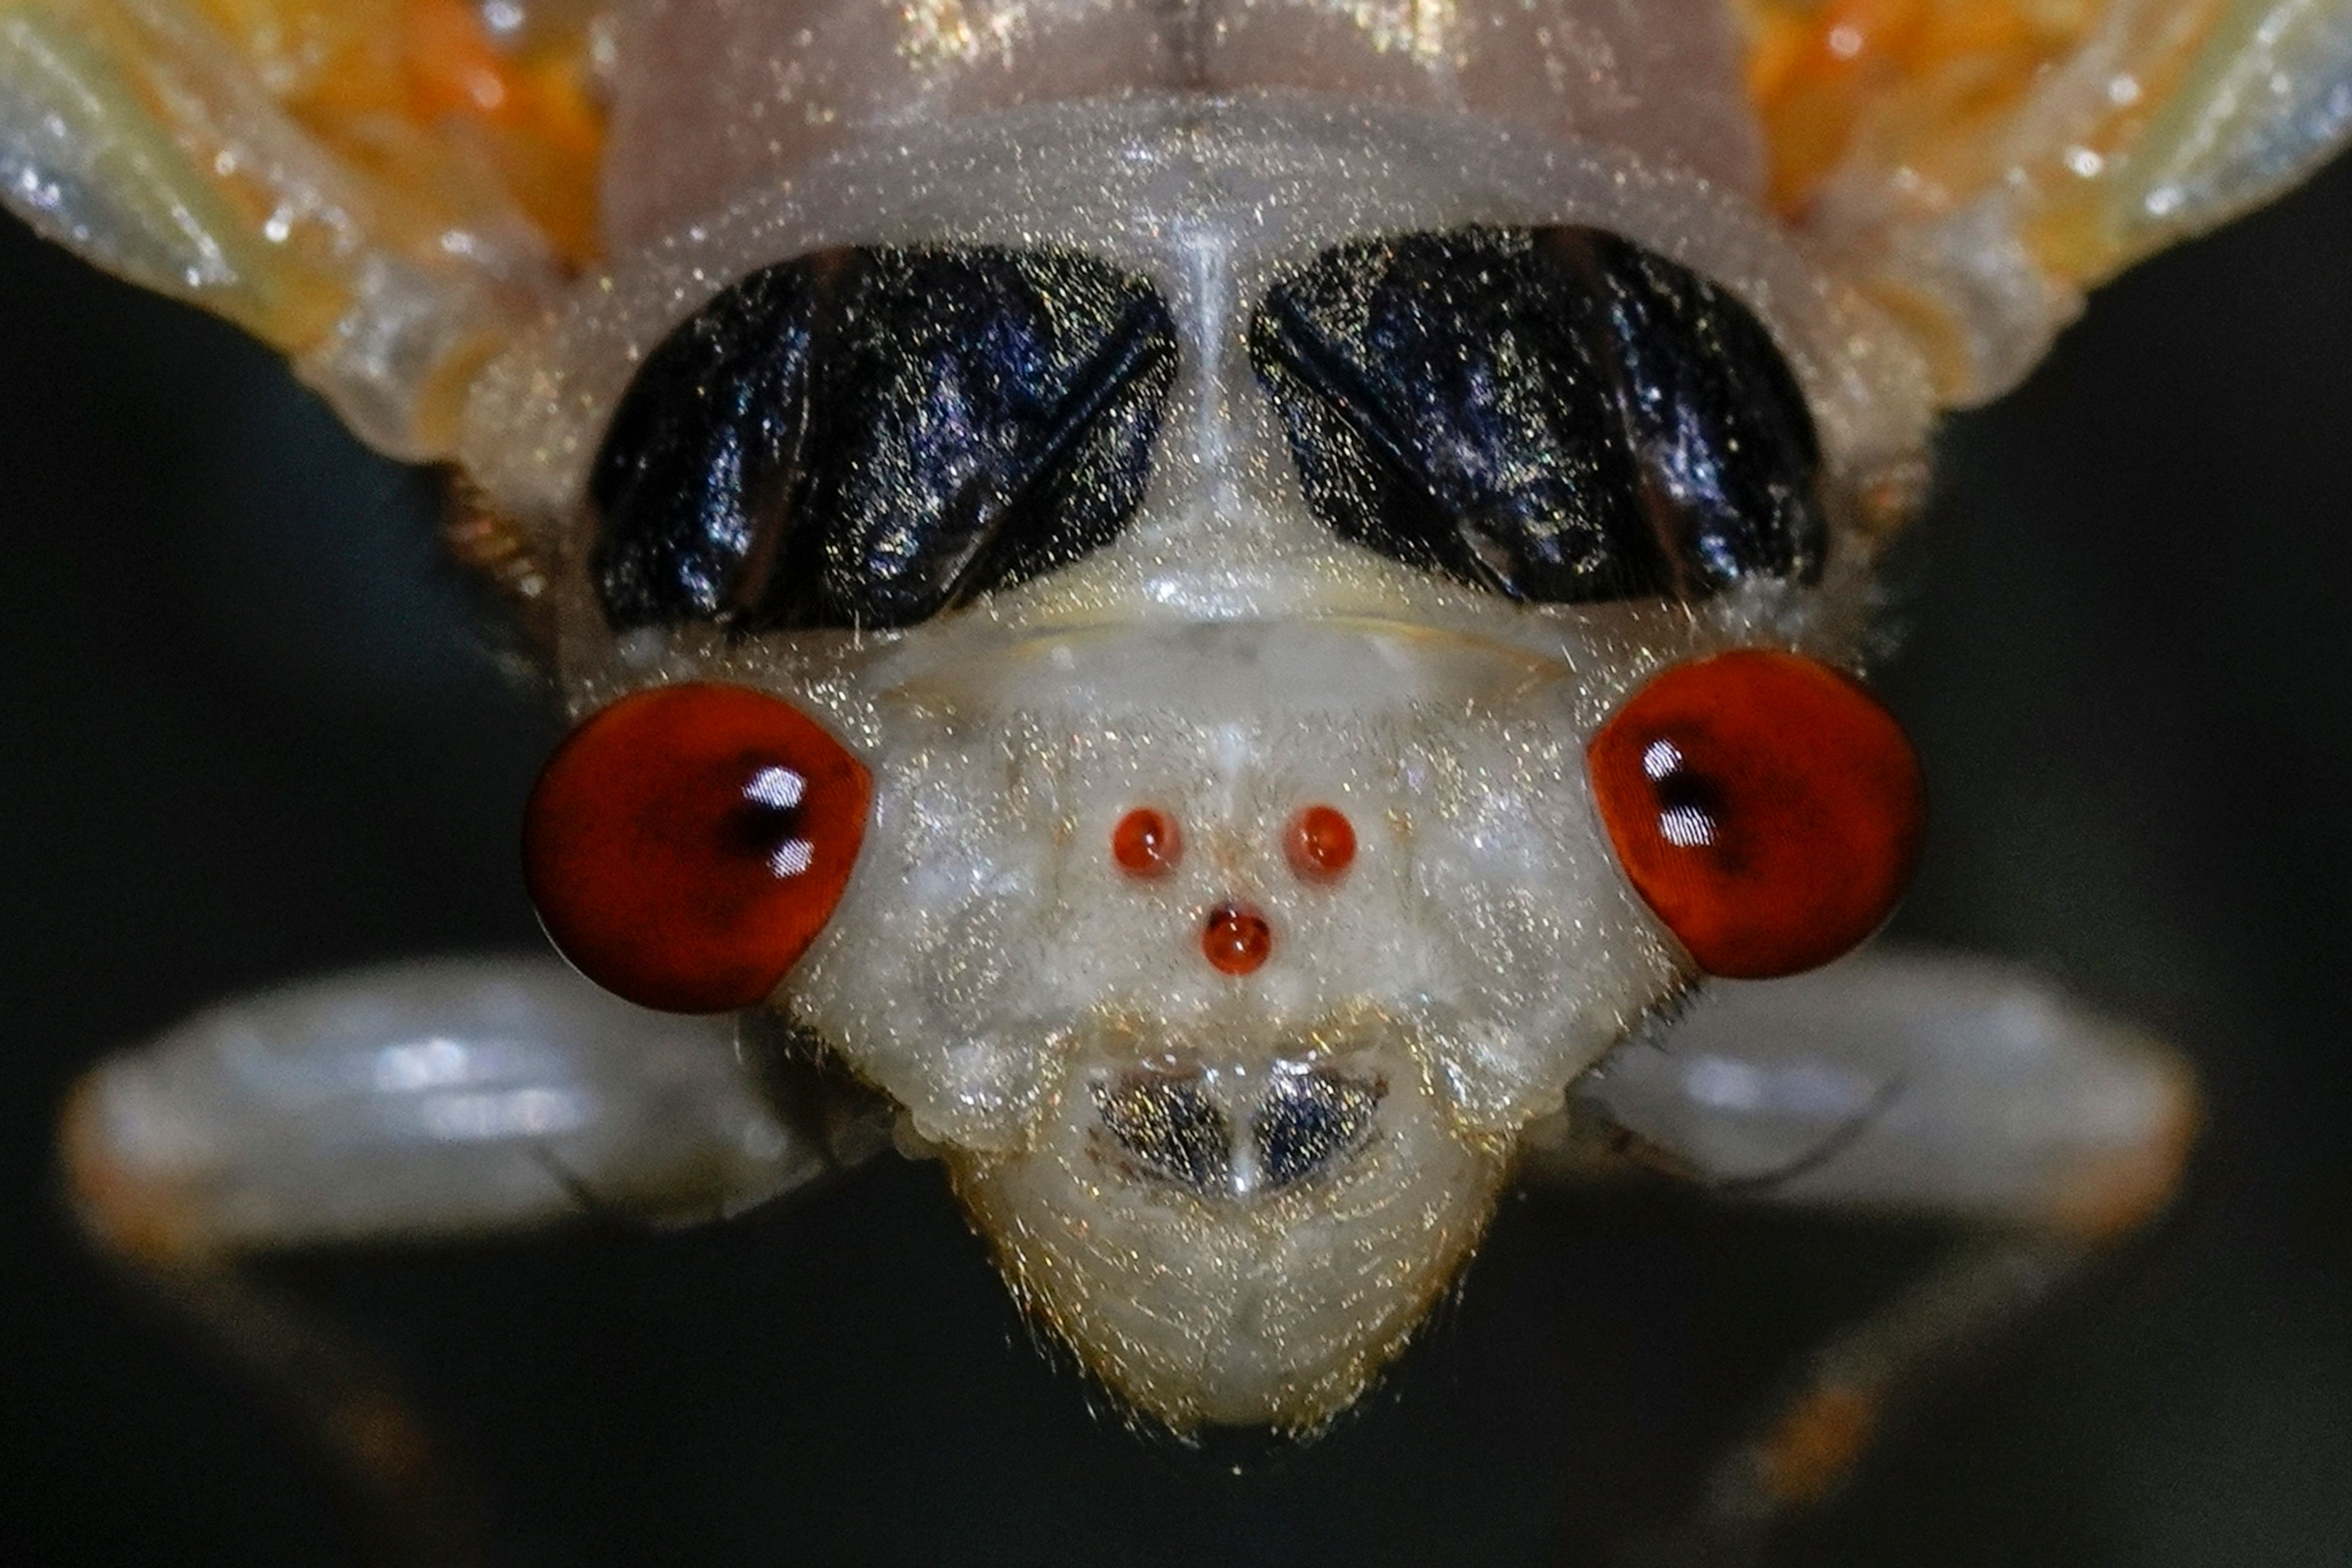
(1236, 940)
(1766, 807)
(1146, 843)
(685, 844)
(1321, 844)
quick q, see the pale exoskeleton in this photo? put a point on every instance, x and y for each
(1232, 1103)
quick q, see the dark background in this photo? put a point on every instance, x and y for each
(252, 729)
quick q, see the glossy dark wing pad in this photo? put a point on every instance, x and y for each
(1554, 413)
(870, 436)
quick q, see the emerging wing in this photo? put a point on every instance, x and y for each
(378, 188)
(1977, 163)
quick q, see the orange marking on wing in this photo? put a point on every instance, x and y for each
(451, 66)
(529, 114)
(1923, 83)
(1925, 100)
(1884, 120)
(418, 94)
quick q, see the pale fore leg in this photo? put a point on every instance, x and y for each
(420, 1099)
(416, 1102)
(1937, 1087)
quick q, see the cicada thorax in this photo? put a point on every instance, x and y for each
(720, 98)
(1124, 618)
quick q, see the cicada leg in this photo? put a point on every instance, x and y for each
(422, 1101)
(1938, 1088)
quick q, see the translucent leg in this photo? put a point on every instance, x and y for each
(424, 1101)
(1892, 1084)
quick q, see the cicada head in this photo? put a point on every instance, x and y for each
(1220, 721)
(1220, 599)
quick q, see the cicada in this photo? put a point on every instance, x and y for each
(1242, 624)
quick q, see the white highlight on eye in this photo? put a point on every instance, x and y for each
(1660, 758)
(780, 789)
(1686, 827)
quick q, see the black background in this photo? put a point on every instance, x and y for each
(253, 728)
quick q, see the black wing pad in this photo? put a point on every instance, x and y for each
(868, 437)
(1553, 414)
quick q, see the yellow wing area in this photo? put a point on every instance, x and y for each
(1976, 163)
(381, 189)
(423, 96)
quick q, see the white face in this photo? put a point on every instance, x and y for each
(1231, 1118)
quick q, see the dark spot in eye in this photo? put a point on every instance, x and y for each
(1310, 1120)
(872, 436)
(1554, 413)
(766, 819)
(1170, 1125)
(1693, 808)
